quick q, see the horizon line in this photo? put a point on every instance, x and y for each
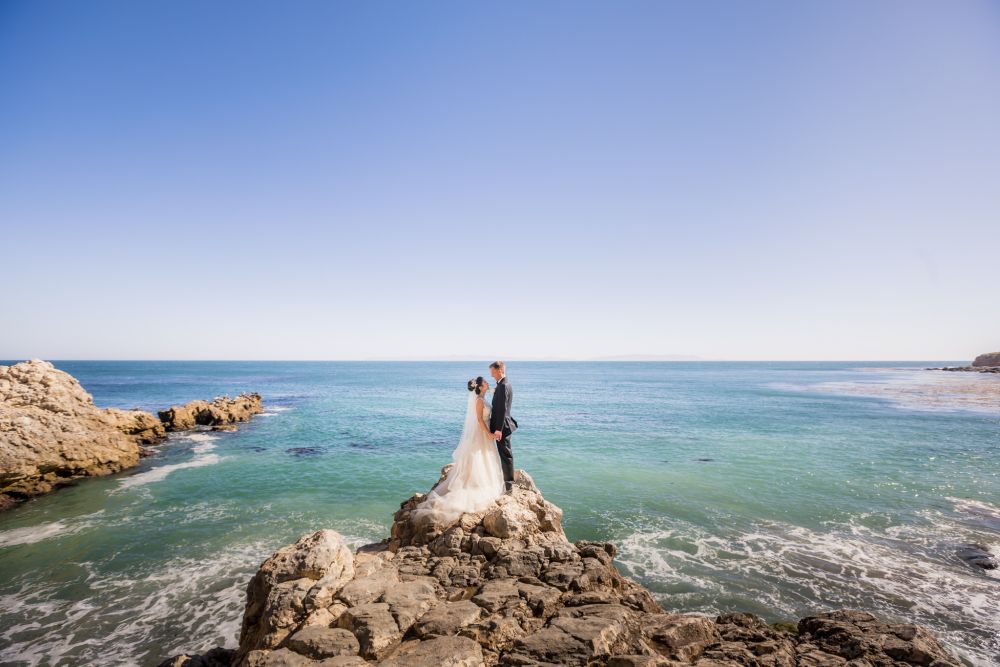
(486, 360)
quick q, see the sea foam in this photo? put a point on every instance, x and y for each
(907, 573)
(204, 444)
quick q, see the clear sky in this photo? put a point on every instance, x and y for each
(335, 180)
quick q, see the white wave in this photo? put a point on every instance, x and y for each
(916, 389)
(44, 531)
(792, 571)
(197, 603)
(203, 457)
(273, 410)
(182, 605)
(975, 507)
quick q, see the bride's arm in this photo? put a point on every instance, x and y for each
(479, 414)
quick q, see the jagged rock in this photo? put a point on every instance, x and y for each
(216, 657)
(409, 601)
(320, 642)
(374, 626)
(505, 588)
(52, 433)
(283, 657)
(447, 619)
(640, 661)
(288, 585)
(857, 634)
(990, 359)
(437, 652)
(220, 412)
(369, 588)
(494, 595)
(141, 426)
(679, 636)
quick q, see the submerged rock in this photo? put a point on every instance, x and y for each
(220, 412)
(978, 555)
(505, 587)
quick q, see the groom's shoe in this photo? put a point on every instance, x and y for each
(509, 491)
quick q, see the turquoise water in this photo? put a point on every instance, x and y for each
(777, 488)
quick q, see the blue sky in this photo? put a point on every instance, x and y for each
(334, 180)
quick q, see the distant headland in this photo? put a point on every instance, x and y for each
(984, 363)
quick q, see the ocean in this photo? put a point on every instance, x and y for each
(782, 489)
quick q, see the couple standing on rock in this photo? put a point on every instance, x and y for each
(483, 463)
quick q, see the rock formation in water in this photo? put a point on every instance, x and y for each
(51, 433)
(978, 555)
(505, 587)
(222, 413)
(990, 359)
(984, 363)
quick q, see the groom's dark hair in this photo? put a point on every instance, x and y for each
(498, 365)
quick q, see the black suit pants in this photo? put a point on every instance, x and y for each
(506, 459)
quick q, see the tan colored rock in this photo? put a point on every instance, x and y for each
(437, 652)
(375, 628)
(494, 595)
(220, 412)
(318, 642)
(281, 658)
(143, 427)
(447, 619)
(286, 587)
(679, 636)
(869, 638)
(362, 590)
(505, 588)
(52, 433)
(409, 601)
(987, 360)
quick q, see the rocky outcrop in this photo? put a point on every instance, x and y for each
(52, 433)
(984, 363)
(222, 413)
(505, 587)
(990, 359)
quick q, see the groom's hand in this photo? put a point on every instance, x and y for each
(497, 435)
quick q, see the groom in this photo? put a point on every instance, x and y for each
(502, 424)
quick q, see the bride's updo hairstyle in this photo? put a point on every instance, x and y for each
(476, 385)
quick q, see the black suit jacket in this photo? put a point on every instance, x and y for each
(500, 419)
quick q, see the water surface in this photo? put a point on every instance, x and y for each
(782, 489)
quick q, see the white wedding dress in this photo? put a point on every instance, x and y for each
(476, 477)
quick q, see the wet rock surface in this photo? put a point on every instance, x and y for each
(978, 555)
(505, 587)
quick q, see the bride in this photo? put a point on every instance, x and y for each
(476, 477)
